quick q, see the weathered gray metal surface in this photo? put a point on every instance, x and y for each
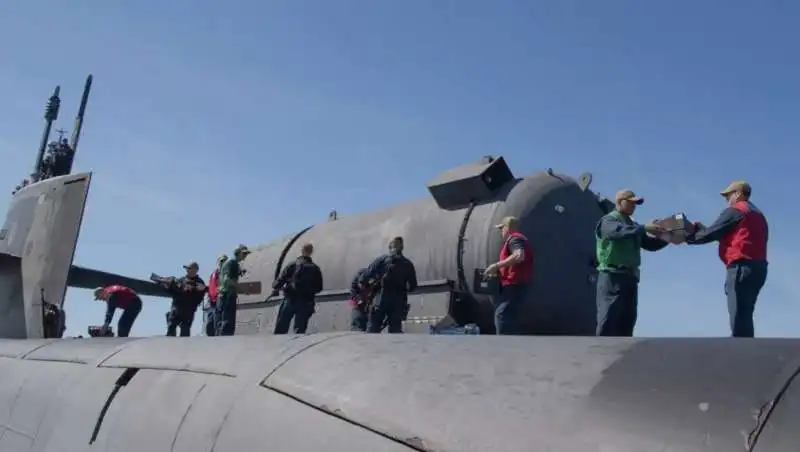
(37, 246)
(41, 229)
(780, 419)
(374, 392)
(12, 306)
(50, 245)
(557, 216)
(549, 394)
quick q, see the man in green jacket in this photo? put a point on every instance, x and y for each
(619, 244)
(229, 273)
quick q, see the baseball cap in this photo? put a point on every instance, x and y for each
(509, 222)
(737, 186)
(222, 259)
(192, 265)
(242, 249)
(98, 291)
(629, 195)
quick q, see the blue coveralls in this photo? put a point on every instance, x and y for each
(128, 317)
(744, 279)
(298, 302)
(618, 290)
(391, 303)
(358, 314)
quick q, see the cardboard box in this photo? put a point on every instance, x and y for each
(677, 226)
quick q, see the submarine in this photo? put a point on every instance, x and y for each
(450, 238)
(343, 391)
(399, 393)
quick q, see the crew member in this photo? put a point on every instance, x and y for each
(742, 232)
(229, 273)
(619, 244)
(187, 294)
(360, 302)
(515, 269)
(396, 277)
(300, 281)
(213, 296)
(123, 298)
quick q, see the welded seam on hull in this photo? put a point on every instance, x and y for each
(185, 415)
(414, 443)
(169, 369)
(25, 355)
(264, 384)
(765, 412)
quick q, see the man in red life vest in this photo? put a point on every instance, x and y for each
(742, 233)
(213, 296)
(119, 297)
(515, 270)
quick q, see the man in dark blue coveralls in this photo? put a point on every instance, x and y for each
(396, 277)
(742, 232)
(359, 305)
(619, 244)
(300, 281)
(228, 292)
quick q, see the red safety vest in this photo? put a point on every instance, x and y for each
(213, 289)
(748, 241)
(124, 295)
(521, 272)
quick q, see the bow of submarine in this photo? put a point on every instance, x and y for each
(350, 391)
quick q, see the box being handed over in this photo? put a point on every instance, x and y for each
(677, 228)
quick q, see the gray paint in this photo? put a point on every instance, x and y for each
(399, 393)
(41, 231)
(557, 216)
(37, 246)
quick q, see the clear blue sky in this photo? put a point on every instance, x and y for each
(205, 114)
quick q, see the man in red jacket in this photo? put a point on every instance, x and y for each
(119, 297)
(515, 270)
(213, 295)
(742, 232)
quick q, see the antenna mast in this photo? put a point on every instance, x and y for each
(50, 115)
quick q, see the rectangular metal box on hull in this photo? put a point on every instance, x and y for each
(475, 182)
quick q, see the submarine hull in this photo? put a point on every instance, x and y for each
(448, 247)
(398, 393)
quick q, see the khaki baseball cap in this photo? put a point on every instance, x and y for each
(509, 222)
(242, 249)
(737, 186)
(629, 195)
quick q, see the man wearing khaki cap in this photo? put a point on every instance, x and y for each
(187, 294)
(228, 291)
(619, 244)
(515, 271)
(742, 232)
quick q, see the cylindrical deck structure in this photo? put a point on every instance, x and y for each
(558, 216)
